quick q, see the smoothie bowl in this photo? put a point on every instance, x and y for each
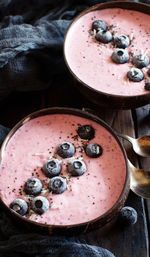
(106, 49)
(63, 170)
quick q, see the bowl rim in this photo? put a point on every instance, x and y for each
(80, 113)
(100, 6)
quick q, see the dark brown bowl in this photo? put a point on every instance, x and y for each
(101, 98)
(77, 228)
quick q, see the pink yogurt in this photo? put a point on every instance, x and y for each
(91, 61)
(87, 196)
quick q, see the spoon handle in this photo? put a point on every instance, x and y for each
(130, 139)
(131, 166)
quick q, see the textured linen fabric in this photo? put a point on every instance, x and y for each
(31, 42)
(3, 133)
(40, 246)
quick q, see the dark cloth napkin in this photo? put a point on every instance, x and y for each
(31, 41)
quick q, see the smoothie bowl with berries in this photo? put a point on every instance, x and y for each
(106, 49)
(63, 170)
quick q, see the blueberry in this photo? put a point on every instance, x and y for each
(135, 75)
(103, 36)
(57, 185)
(33, 186)
(147, 85)
(86, 132)
(127, 216)
(120, 56)
(121, 41)
(40, 204)
(99, 25)
(140, 61)
(66, 150)
(93, 150)
(76, 167)
(19, 206)
(51, 168)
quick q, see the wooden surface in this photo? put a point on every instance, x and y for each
(133, 240)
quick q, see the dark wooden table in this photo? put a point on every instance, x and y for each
(132, 241)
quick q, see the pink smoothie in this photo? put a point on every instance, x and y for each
(91, 61)
(87, 196)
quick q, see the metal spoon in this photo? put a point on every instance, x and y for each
(141, 145)
(139, 181)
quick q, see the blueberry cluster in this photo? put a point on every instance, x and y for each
(52, 169)
(39, 204)
(103, 35)
(120, 55)
(139, 61)
(92, 150)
